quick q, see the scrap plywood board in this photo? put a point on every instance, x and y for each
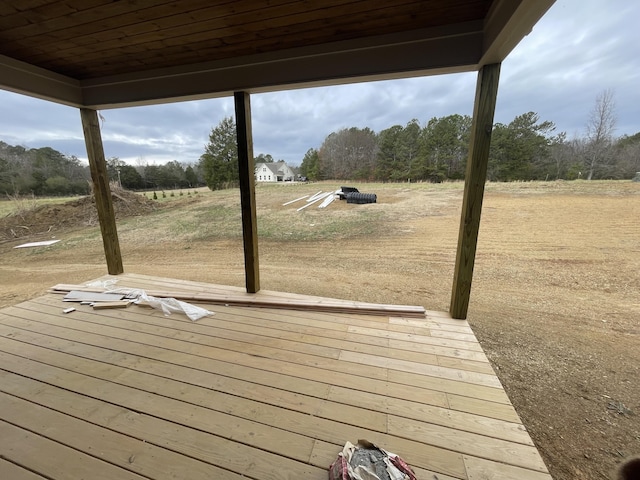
(108, 305)
(88, 296)
(37, 244)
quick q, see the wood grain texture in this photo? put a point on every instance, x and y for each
(475, 178)
(246, 172)
(481, 469)
(128, 453)
(87, 38)
(16, 472)
(157, 395)
(101, 190)
(53, 459)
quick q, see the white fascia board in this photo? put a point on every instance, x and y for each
(440, 50)
(507, 23)
(26, 79)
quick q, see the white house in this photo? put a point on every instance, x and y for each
(274, 172)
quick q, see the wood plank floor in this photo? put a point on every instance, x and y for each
(246, 393)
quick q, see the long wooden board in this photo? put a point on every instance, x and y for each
(257, 300)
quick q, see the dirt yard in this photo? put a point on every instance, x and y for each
(555, 300)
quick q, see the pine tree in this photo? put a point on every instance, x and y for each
(219, 162)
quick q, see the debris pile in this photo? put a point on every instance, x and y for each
(123, 297)
(350, 194)
(80, 212)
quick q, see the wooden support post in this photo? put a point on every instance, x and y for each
(101, 190)
(246, 171)
(475, 178)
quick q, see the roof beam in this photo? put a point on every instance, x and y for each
(454, 48)
(20, 77)
(508, 22)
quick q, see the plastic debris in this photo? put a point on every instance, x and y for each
(103, 283)
(167, 305)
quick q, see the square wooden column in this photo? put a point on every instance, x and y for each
(101, 190)
(475, 178)
(246, 171)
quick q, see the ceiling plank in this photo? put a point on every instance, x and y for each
(30, 15)
(283, 33)
(213, 33)
(113, 16)
(214, 24)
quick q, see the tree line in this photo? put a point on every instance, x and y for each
(167, 176)
(45, 171)
(524, 149)
(527, 148)
(41, 171)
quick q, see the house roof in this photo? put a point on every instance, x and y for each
(102, 54)
(275, 167)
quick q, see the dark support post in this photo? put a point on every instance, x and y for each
(475, 178)
(101, 190)
(246, 171)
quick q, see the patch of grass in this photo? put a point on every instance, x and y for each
(565, 187)
(217, 215)
(16, 204)
(213, 221)
(323, 225)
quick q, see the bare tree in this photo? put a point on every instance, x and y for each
(348, 154)
(600, 127)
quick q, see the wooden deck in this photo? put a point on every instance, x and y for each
(247, 393)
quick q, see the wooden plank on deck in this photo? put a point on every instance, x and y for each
(129, 453)
(16, 472)
(55, 460)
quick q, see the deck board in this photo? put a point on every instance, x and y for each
(250, 392)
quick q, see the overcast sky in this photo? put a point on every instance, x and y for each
(576, 51)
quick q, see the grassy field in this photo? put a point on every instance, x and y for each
(11, 205)
(554, 301)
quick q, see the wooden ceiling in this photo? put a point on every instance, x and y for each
(92, 38)
(121, 52)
